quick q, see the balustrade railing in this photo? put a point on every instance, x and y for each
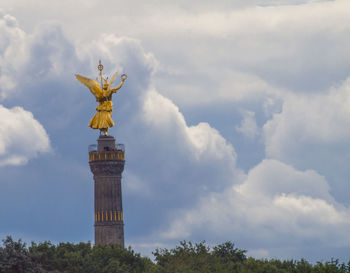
(112, 154)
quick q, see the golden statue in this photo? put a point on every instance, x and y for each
(103, 118)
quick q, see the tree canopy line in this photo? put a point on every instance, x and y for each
(17, 257)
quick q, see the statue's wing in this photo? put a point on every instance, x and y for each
(112, 80)
(92, 85)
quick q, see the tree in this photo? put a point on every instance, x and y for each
(14, 258)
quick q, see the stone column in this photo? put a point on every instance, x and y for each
(107, 164)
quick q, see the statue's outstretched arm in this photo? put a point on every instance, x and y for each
(115, 89)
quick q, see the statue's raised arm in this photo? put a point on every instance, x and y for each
(102, 120)
(123, 77)
(108, 91)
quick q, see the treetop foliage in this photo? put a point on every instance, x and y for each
(16, 257)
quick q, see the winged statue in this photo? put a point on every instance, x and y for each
(102, 120)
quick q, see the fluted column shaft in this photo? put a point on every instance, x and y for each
(107, 165)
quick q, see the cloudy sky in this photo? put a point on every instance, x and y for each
(235, 117)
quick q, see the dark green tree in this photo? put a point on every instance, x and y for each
(188, 257)
(14, 258)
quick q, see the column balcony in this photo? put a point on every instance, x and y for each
(108, 154)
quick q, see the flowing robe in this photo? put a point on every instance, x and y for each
(103, 118)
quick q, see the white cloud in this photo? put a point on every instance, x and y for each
(312, 131)
(248, 125)
(196, 158)
(12, 53)
(282, 46)
(21, 56)
(321, 118)
(118, 53)
(256, 53)
(251, 46)
(274, 201)
(271, 178)
(201, 141)
(21, 136)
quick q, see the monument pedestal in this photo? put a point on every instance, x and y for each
(107, 164)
